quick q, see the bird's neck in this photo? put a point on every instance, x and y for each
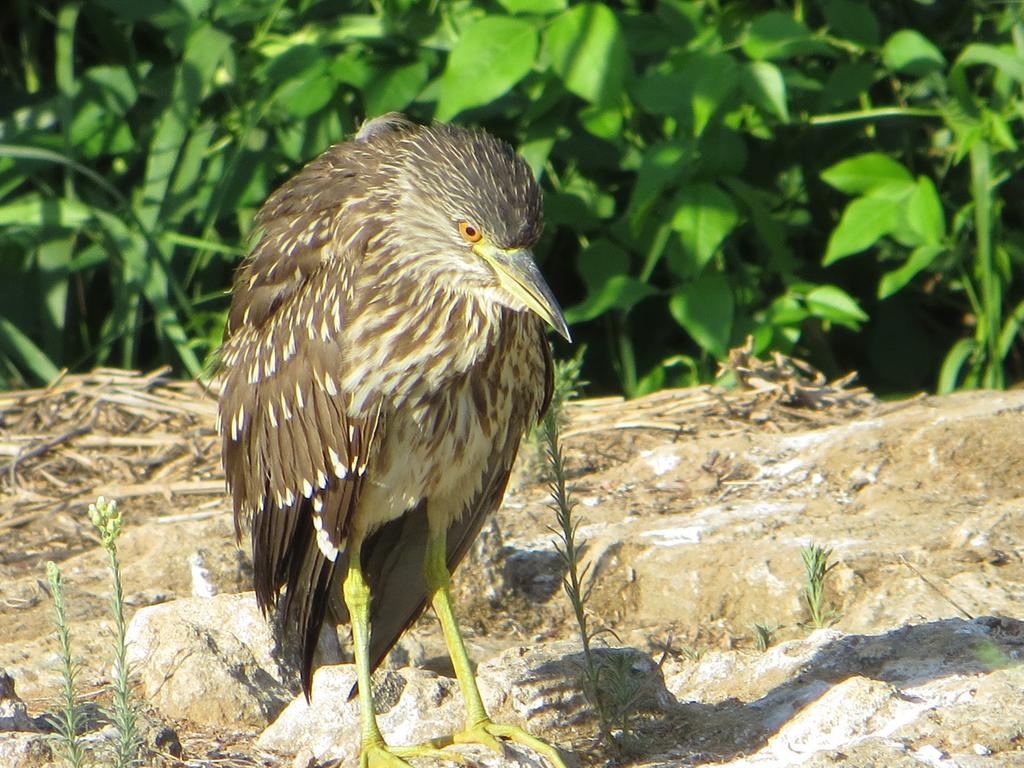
(434, 333)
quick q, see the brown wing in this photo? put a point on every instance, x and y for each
(394, 555)
(294, 454)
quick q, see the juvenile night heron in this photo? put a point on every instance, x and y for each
(384, 353)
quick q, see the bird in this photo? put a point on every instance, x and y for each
(384, 352)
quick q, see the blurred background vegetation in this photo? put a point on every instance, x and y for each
(836, 178)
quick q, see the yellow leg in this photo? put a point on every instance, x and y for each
(480, 729)
(374, 752)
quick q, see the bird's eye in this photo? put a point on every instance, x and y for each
(469, 233)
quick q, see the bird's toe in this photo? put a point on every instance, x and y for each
(490, 734)
(381, 757)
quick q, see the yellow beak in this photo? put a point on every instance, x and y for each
(519, 275)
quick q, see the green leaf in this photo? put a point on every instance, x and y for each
(663, 163)
(25, 352)
(603, 122)
(96, 131)
(777, 35)
(846, 84)
(205, 48)
(599, 262)
(762, 81)
(351, 67)
(864, 173)
(832, 303)
(714, 77)
(584, 201)
(539, 7)
(704, 308)
(1007, 61)
(64, 50)
(536, 152)
(192, 162)
(787, 311)
(392, 90)
(958, 356)
(113, 86)
(1001, 131)
(686, 374)
(490, 57)
(920, 258)
(588, 52)
(664, 93)
(852, 19)
(298, 60)
(54, 258)
(704, 216)
(619, 292)
(700, 84)
(1011, 330)
(909, 51)
(924, 212)
(33, 210)
(864, 222)
(306, 96)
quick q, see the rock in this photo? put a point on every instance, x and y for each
(25, 750)
(217, 569)
(536, 688)
(721, 518)
(13, 713)
(541, 687)
(413, 706)
(691, 536)
(209, 660)
(536, 574)
(941, 693)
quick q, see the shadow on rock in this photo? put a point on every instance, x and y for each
(831, 691)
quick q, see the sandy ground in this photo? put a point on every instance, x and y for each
(923, 517)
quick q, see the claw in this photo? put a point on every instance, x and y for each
(487, 733)
(383, 756)
(479, 735)
(430, 750)
(380, 756)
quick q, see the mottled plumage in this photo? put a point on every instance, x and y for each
(376, 373)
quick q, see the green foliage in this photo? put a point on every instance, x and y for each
(68, 720)
(608, 681)
(764, 635)
(816, 568)
(126, 751)
(830, 177)
(128, 745)
(575, 572)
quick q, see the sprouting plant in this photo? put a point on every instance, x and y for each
(692, 652)
(764, 635)
(127, 750)
(568, 549)
(609, 683)
(816, 568)
(567, 385)
(67, 721)
(622, 688)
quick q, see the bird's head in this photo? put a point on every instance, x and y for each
(470, 209)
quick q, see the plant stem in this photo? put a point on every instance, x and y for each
(107, 519)
(878, 113)
(569, 551)
(67, 718)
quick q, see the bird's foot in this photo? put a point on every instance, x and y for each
(429, 750)
(384, 756)
(487, 733)
(380, 756)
